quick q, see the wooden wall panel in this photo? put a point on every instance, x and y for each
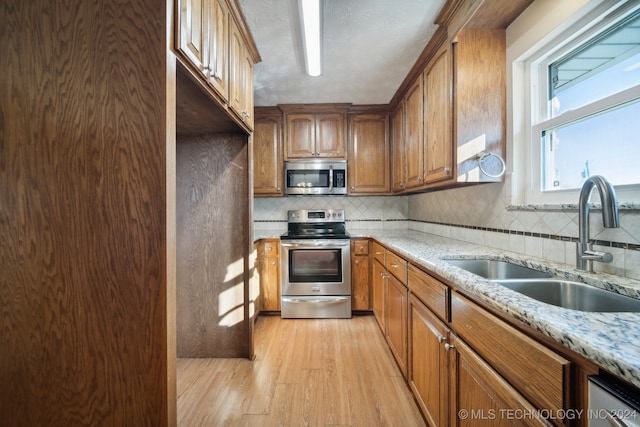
(83, 223)
(212, 237)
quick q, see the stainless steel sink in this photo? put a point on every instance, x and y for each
(497, 270)
(572, 295)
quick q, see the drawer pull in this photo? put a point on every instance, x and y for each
(448, 346)
(394, 265)
(441, 338)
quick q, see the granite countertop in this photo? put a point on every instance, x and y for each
(611, 340)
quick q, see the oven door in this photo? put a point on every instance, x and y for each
(316, 267)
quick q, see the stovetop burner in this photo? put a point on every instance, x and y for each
(316, 224)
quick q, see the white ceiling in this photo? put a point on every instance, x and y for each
(369, 46)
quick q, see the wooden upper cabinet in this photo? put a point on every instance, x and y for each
(438, 144)
(214, 44)
(315, 135)
(369, 154)
(267, 153)
(480, 101)
(203, 38)
(300, 133)
(218, 52)
(241, 77)
(413, 134)
(398, 162)
(330, 135)
(192, 31)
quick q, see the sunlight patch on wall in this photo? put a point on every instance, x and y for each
(468, 151)
(231, 300)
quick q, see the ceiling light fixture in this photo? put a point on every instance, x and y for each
(311, 31)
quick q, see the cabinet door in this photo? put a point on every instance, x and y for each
(267, 158)
(300, 135)
(369, 154)
(399, 168)
(270, 275)
(428, 371)
(396, 321)
(247, 90)
(413, 135)
(360, 288)
(330, 135)
(236, 65)
(218, 49)
(438, 144)
(193, 31)
(481, 396)
(480, 100)
(378, 282)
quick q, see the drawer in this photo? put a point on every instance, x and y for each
(378, 252)
(359, 247)
(430, 291)
(541, 375)
(271, 247)
(396, 266)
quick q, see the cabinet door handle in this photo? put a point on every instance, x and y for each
(378, 253)
(441, 339)
(448, 346)
(357, 261)
(269, 248)
(362, 248)
(273, 263)
(394, 265)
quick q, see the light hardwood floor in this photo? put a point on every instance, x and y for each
(307, 372)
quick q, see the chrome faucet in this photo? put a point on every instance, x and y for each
(610, 218)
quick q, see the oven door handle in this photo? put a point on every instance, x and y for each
(309, 243)
(330, 179)
(316, 301)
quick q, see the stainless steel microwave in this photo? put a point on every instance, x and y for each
(317, 176)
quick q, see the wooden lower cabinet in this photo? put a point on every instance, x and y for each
(378, 286)
(396, 303)
(428, 374)
(480, 396)
(464, 365)
(269, 269)
(360, 275)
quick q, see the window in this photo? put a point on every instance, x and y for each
(586, 114)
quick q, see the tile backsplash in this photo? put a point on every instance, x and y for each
(381, 212)
(480, 214)
(477, 214)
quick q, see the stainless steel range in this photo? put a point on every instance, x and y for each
(316, 265)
